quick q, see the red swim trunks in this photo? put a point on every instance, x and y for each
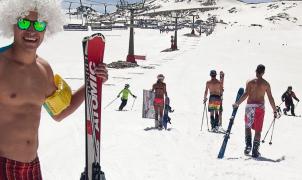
(14, 170)
(254, 116)
(159, 101)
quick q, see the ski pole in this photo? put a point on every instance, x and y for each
(280, 103)
(207, 120)
(133, 103)
(110, 103)
(263, 141)
(204, 109)
(270, 142)
(279, 107)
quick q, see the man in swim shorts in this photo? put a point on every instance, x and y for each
(214, 105)
(27, 83)
(254, 111)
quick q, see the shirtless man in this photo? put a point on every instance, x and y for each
(159, 88)
(215, 88)
(26, 83)
(254, 111)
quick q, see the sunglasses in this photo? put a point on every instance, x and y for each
(24, 24)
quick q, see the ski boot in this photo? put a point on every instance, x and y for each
(160, 127)
(160, 124)
(213, 127)
(248, 144)
(220, 129)
(156, 123)
(284, 112)
(255, 152)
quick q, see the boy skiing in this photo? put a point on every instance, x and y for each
(125, 93)
(287, 97)
(254, 111)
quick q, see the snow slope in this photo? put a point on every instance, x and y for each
(129, 152)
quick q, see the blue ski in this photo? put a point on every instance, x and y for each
(228, 132)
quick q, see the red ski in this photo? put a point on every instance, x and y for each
(93, 48)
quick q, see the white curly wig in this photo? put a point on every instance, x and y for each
(48, 10)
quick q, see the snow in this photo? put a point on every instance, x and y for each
(129, 152)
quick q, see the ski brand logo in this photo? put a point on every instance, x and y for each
(93, 95)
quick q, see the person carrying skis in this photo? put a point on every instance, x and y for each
(159, 88)
(215, 88)
(287, 97)
(28, 82)
(125, 93)
(254, 111)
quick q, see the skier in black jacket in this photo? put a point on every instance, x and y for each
(287, 97)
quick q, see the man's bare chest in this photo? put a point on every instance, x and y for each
(22, 85)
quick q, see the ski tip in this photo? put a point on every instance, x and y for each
(239, 93)
(241, 90)
(94, 36)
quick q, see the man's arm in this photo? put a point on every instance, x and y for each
(120, 93)
(165, 89)
(295, 97)
(270, 97)
(283, 96)
(153, 89)
(131, 93)
(78, 96)
(205, 93)
(76, 100)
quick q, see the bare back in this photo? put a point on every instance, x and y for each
(23, 89)
(215, 87)
(256, 90)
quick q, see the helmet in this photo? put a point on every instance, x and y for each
(160, 77)
(290, 88)
(127, 85)
(213, 73)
